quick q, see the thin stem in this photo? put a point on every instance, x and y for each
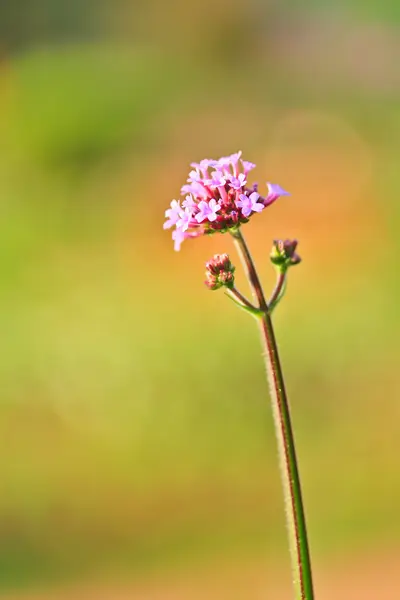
(296, 523)
(278, 292)
(295, 517)
(239, 298)
(243, 303)
(250, 270)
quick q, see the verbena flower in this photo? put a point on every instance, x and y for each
(172, 214)
(249, 204)
(217, 199)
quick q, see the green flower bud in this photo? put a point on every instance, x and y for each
(283, 254)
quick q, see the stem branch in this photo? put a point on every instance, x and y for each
(278, 292)
(250, 270)
(240, 299)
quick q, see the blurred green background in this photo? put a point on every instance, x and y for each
(137, 453)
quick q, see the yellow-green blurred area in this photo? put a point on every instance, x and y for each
(136, 441)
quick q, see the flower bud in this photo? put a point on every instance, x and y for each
(283, 254)
(220, 272)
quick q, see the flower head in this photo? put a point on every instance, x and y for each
(219, 272)
(217, 198)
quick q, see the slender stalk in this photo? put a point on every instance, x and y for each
(240, 299)
(278, 292)
(295, 517)
(250, 270)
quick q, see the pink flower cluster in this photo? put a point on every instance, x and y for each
(217, 198)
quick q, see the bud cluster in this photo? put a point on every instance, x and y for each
(219, 272)
(283, 254)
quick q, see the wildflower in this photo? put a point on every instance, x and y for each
(238, 182)
(172, 214)
(208, 210)
(189, 202)
(219, 272)
(247, 166)
(217, 198)
(249, 204)
(274, 192)
(185, 218)
(217, 180)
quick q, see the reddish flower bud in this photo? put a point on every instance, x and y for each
(219, 272)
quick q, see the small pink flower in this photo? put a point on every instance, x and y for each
(249, 204)
(189, 202)
(196, 188)
(238, 182)
(172, 214)
(204, 165)
(274, 192)
(247, 166)
(194, 176)
(226, 163)
(217, 180)
(208, 210)
(185, 218)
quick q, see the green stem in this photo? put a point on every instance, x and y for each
(295, 517)
(278, 292)
(240, 299)
(242, 302)
(250, 270)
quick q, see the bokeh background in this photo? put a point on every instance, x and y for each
(137, 452)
